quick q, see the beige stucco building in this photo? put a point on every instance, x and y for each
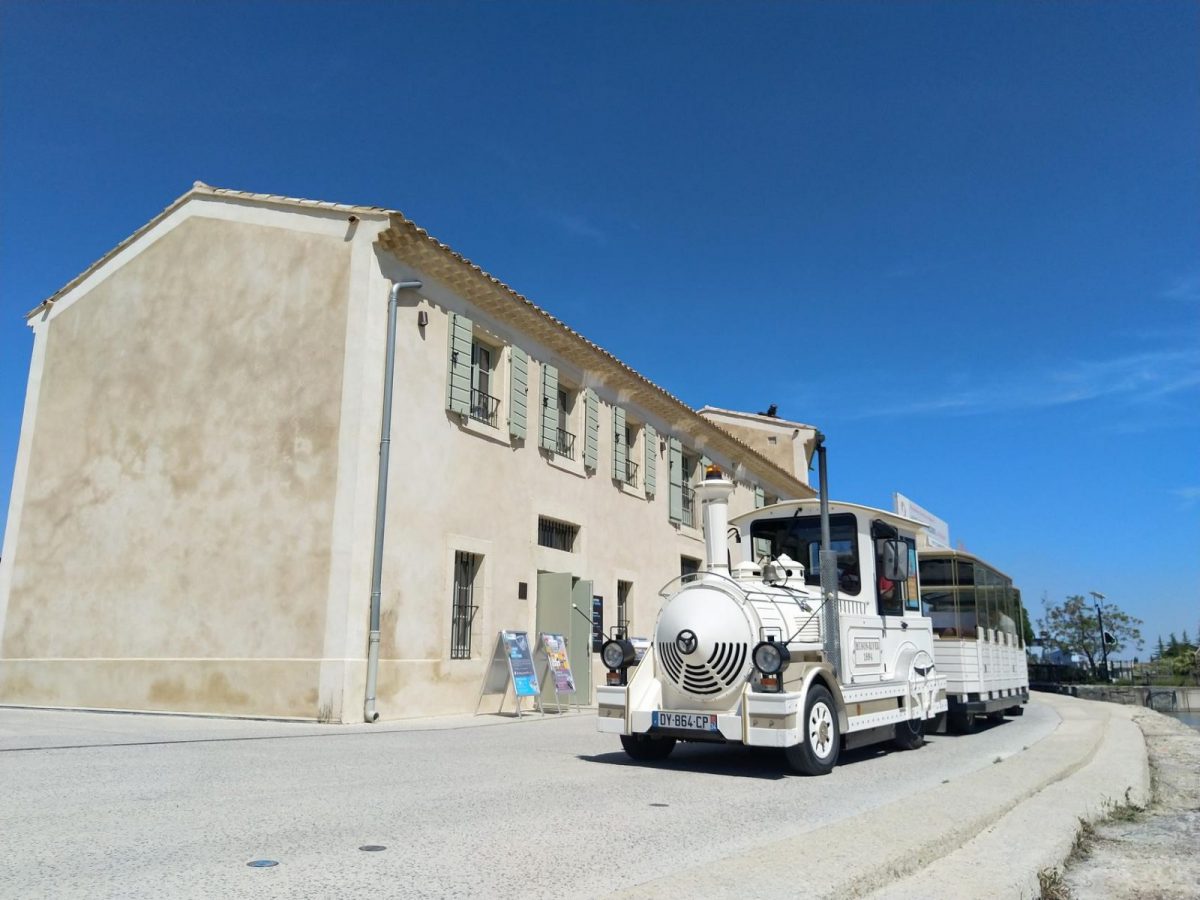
(192, 516)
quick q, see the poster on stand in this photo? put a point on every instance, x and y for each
(555, 648)
(520, 663)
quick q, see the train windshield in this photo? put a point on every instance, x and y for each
(800, 538)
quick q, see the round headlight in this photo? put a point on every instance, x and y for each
(771, 657)
(613, 654)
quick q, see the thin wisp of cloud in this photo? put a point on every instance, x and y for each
(1186, 288)
(1136, 379)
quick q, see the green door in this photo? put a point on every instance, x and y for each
(564, 603)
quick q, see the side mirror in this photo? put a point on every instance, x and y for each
(895, 560)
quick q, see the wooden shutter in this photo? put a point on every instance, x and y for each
(648, 477)
(549, 407)
(518, 389)
(620, 450)
(760, 499)
(591, 440)
(675, 460)
(458, 380)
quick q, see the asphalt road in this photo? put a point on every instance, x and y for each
(105, 805)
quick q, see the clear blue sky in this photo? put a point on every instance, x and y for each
(961, 238)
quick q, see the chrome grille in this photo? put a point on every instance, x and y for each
(720, 672)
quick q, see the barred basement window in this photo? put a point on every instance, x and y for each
(557, 535)
(466, 571)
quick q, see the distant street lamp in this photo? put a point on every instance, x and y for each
(1096, 598)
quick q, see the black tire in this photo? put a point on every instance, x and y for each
(1015, 711)
(820, 736)
(644, 748)
(962, 722)
(910, 735)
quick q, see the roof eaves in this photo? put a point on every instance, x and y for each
(407, 235)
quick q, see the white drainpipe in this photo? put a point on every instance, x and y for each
(385, 441)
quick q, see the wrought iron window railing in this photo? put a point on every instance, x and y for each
(688, 516)
(565, 444)
(631, 473)
(484, 407)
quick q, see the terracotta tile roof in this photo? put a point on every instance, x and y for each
(437, 260)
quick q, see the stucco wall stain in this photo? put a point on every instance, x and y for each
(167, 691)
(388, 638)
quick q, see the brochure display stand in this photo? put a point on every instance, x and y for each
(555, 670)
(511, 667)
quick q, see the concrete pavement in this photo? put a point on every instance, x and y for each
(151, 806)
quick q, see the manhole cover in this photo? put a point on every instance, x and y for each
(261, 863)
(372, 848)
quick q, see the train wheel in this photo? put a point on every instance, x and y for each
(910, 735)
(644, 748)
(820, 740)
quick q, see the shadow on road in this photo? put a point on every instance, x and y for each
(756, 762)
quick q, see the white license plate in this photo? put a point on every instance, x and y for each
(684, 721)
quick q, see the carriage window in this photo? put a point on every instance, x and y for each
(800, 538)
(938, 605)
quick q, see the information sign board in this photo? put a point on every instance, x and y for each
(555, 648)
(520, 663)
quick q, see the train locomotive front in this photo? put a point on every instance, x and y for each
(739, 656)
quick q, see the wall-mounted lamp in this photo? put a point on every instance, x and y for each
(422, 318)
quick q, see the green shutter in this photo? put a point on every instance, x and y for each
(518, 388)
(591, 441)
(760, 499)
(620, 450)
(651, 439)
(549, 407)
(675, 459)
(458, 381)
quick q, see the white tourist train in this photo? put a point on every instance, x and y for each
(768, 653)
(978, 640)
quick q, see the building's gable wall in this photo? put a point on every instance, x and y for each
(174, 544)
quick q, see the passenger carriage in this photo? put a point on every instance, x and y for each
(979, 645)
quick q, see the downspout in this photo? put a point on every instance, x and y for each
(385, 440)
(829, 598)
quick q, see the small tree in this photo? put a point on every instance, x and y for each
(1073, 628)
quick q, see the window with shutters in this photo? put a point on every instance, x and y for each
(487, 382)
